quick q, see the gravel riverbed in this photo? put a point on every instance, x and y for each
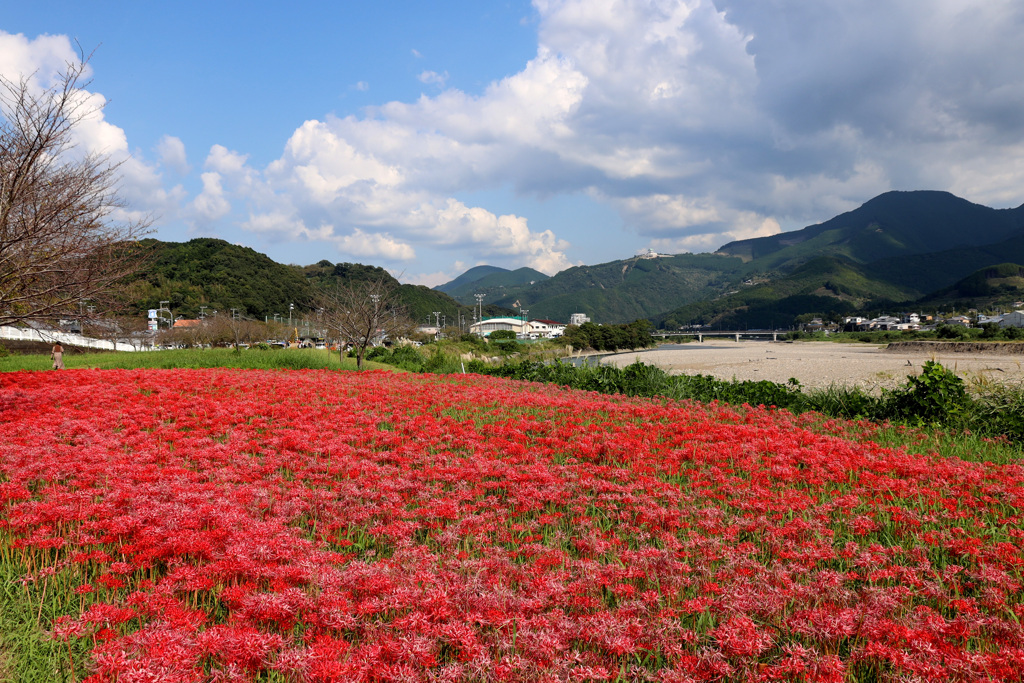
(819, 364)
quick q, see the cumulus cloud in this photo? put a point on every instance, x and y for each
(375, 245)
(171, 151)
(211, 204)
(42, 62)
(698, 121)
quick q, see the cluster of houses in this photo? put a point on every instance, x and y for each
(918, 321)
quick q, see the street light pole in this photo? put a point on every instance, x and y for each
(480, 305)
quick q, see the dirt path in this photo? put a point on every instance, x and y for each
(819, 364)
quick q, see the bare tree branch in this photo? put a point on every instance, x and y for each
(364, 313)
(59, 242)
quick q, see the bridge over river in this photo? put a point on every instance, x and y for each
(734, 334)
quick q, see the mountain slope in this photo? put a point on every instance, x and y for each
(623, 291)
(222, 276)
(998, 285)
(825, 285)
(493, 285)
(216, 274)
(927, 273)
(469, 277)
(890, 225)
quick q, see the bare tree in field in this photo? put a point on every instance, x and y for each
(59, 241)
(364, 313)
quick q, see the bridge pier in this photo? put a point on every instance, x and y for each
(700, 338)
(737, 336)
(775, 336)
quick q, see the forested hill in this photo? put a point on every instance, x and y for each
(219, 275)
(222, 276)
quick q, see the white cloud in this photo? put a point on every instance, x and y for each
(375, 245)
(222, 160)
(433, 78)
(211, 205)
(172, 154)
(699, 121)
(41, 60)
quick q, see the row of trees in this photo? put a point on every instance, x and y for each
(634, 335)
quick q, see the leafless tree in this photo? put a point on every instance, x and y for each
(60, 242)
(364, 313)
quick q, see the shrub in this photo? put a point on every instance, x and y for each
(936, 395)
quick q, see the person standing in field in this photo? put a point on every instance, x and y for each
(57, 356)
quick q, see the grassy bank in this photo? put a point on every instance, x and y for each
(248, 359)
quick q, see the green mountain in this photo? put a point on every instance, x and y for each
(420, 301)
(469, 277)
(623, 291)
(998, 285)
(216, 274)
(493, 282)
(897, 247)
(894, 224)
(925, 273)
(828, 285)
(900, 247)
(222, 276)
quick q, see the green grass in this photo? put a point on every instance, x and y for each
(248, 359)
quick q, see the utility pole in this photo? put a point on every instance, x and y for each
(170, 317)
(480, 305)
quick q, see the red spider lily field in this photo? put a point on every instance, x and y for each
(246, 525)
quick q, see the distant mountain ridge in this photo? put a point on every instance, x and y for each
(898, 246)
(896, 249)
(890, 225)
(493, 282)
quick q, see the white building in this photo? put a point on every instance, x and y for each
(488, 325)
(545, 329)
(578, 319)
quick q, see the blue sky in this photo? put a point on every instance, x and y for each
(432, 137)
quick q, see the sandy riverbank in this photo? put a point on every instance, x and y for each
(818, 364)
